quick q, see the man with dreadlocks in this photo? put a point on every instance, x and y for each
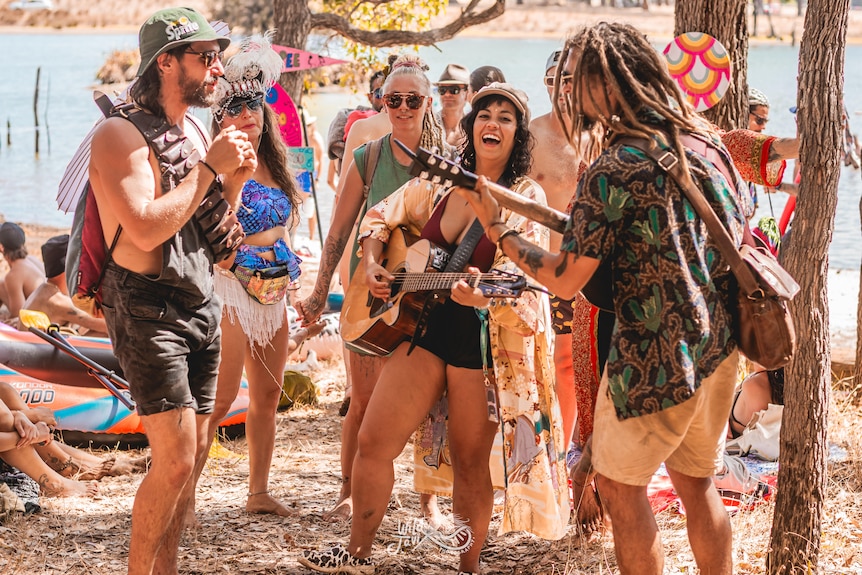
(668, 383)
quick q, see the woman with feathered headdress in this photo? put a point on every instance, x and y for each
(256, 334)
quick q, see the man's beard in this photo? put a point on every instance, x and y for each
(196, 94)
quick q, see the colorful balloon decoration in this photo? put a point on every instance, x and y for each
(701, 66)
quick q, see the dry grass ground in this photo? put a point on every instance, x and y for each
(83, 536)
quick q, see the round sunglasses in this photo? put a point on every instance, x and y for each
(393, 100)
(235, 110)
(759, 120)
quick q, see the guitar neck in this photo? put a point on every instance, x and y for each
(412, 282)
(547, 216)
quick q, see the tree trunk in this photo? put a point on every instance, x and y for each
(857, 367)
(795, 538)
(725, 20)
(293, 24)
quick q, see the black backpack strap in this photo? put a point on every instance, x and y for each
(372, 155)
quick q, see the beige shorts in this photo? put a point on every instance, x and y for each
(688, 438)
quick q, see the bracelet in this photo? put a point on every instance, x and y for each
(506, 233)
(210, 168)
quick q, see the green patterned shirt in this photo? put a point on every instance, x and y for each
(669, 280)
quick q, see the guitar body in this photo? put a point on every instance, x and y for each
(378, 327)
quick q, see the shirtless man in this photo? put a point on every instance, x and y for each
(25, 272)
(453, 86)
(157, 292)
(52, 297)
(555, 167)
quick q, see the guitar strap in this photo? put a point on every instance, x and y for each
(456, 263)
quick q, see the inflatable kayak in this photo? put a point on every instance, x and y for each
(45, 376)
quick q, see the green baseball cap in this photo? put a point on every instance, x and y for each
(173, 27)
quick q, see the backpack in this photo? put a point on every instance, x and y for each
(88, 254)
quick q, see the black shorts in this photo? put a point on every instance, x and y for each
(453, 335)
(167, 345)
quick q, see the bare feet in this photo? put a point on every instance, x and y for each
(69, 488)
(266, 503)
(432, 514)
(342, 511)
(114, 466)
(588, 506)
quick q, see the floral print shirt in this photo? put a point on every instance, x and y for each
(669, 280)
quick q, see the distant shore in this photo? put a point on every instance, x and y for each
(530, 20)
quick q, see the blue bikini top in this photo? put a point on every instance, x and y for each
(263, 208)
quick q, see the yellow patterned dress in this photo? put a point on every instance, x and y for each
(528, 458)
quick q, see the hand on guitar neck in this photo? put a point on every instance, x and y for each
(437, 169)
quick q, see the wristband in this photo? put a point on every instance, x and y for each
(506, 233)
(210, 168)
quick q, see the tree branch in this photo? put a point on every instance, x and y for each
(470, 16)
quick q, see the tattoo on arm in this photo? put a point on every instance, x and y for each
(561, 269)
(332, 252)
(530, 256)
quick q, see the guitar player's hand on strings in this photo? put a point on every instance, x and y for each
(466, 294)
(377, 278)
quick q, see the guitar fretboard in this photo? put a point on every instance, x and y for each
(412, 281)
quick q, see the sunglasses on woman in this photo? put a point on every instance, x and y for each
(454, 90)
(235, 110)
(209, 57)
(565, 79)
(414, 101)
(759, 120)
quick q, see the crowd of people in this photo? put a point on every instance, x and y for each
(632, 358)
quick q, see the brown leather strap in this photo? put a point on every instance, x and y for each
(372, 154)
(669, 162)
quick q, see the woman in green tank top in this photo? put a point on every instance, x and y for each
(407, 99)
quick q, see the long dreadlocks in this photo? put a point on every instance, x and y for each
(631, 69)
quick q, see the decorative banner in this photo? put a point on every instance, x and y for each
(700, 65)
(295, 60)
(288, 118)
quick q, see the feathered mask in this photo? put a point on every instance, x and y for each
(248, 73)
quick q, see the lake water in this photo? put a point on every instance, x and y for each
(69, 62)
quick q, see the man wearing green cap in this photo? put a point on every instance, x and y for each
(157, 288)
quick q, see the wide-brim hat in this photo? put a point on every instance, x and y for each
(507, 91)
(454, 75)
(172, 27)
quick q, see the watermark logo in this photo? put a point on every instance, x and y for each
(418, 533)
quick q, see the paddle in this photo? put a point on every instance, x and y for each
(39, 324)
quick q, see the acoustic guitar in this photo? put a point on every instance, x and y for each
(378, 326)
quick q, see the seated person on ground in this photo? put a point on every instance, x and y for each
(66, 460)
(52, 296)
(25, 272)
(18, 439)
(755, 394)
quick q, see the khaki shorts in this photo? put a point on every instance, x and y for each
(688, 438)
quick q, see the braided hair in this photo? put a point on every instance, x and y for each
(636, 75)
(432, 130)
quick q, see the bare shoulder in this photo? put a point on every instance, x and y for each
(115, 137)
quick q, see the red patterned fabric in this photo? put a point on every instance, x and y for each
(585, 359)
(750, 153)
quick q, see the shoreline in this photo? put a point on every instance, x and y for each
(843, 285)
(517, 21)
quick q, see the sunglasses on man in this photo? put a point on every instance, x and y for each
(759, 120)
(377, 93)
(234, 110)
(209, 56)
(454, 90)
(565, 79)
(393, 100)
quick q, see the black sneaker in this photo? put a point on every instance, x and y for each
(336, 560)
